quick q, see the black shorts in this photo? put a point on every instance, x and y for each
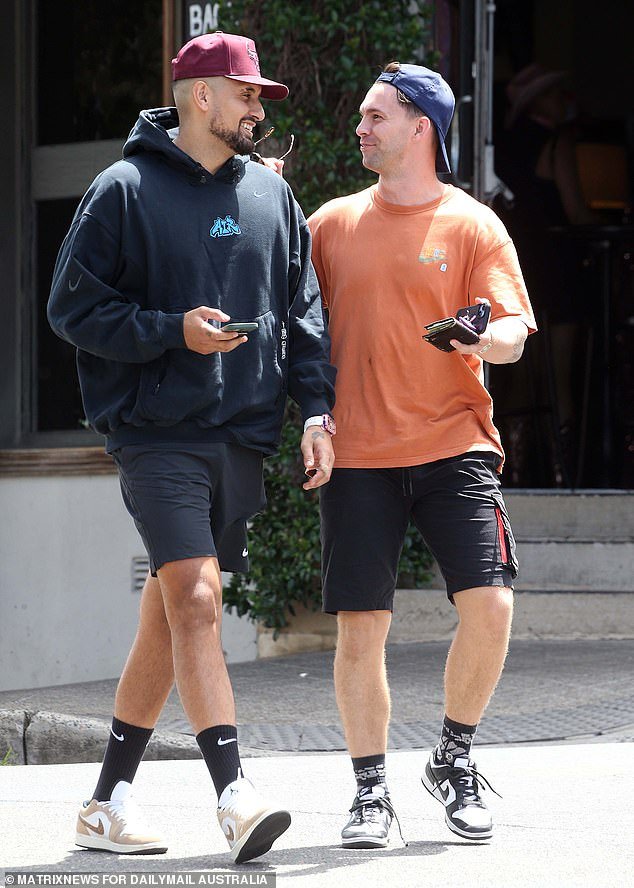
(193, 500)
(455, 503)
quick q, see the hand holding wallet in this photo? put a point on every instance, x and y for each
(468, 323)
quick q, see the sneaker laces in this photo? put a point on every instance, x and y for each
(369, 806)
(470, 780)
(127, 812)
(242, 799)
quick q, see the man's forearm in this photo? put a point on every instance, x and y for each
(508, 336)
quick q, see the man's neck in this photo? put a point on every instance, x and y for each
(407, 190)
(211, 155)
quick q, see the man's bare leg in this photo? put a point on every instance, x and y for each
(148, 674)
(143, 688)
(193, 604)
(477, 654)
(363, 698)
(361, 687)
(192, 594)
(474, 665)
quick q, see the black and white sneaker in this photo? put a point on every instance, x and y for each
(457, 787)
(372, 814)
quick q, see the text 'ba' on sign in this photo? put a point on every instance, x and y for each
(200, 18)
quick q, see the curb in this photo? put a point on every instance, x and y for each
(50, 738)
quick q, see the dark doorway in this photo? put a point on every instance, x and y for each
(96, 66)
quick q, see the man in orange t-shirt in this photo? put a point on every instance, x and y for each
(415, 435)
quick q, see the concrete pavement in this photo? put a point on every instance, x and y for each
(564, 820)
(557, 742)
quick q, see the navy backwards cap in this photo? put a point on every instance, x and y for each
(432, 95)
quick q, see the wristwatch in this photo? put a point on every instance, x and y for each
(325, 422)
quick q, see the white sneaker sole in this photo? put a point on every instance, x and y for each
(433, 790)
(95, 843)
(364, 842)
(474, 837)
(261, 835)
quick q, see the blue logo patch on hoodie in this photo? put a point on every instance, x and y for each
(224, 227)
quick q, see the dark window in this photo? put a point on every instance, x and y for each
(99, 64)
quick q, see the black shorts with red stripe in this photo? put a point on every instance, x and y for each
(455, 503)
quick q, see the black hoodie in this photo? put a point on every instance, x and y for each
(157, 235)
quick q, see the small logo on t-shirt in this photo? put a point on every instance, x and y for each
(224, 227)
(427, 256)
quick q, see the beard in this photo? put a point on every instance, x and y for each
(237, 141)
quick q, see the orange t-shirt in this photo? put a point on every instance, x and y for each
(385, 272)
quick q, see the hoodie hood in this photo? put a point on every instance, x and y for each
(154, 133)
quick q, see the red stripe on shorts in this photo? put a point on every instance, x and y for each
(502, 537)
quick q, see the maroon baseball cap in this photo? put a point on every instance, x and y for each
(224, 55)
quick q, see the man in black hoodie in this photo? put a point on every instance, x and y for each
(181, 236)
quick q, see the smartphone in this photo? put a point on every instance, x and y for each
(476, 316)
(240, 327)
(466, 327)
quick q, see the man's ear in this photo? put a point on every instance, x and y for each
(200, 95)
(422, 125)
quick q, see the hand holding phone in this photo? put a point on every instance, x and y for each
(240, 327)
(466, 327)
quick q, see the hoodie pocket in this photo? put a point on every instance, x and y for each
(214, 389)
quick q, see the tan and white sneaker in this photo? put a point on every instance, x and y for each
(116, 826)
(248, 822)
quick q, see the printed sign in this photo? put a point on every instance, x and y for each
(200, 18)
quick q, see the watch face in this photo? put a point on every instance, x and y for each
(329, 424)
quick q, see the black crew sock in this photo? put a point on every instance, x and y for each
(124, 752)
(455, 741)
(219, 746)
(369, 771)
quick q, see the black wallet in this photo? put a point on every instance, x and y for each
(468, 323)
